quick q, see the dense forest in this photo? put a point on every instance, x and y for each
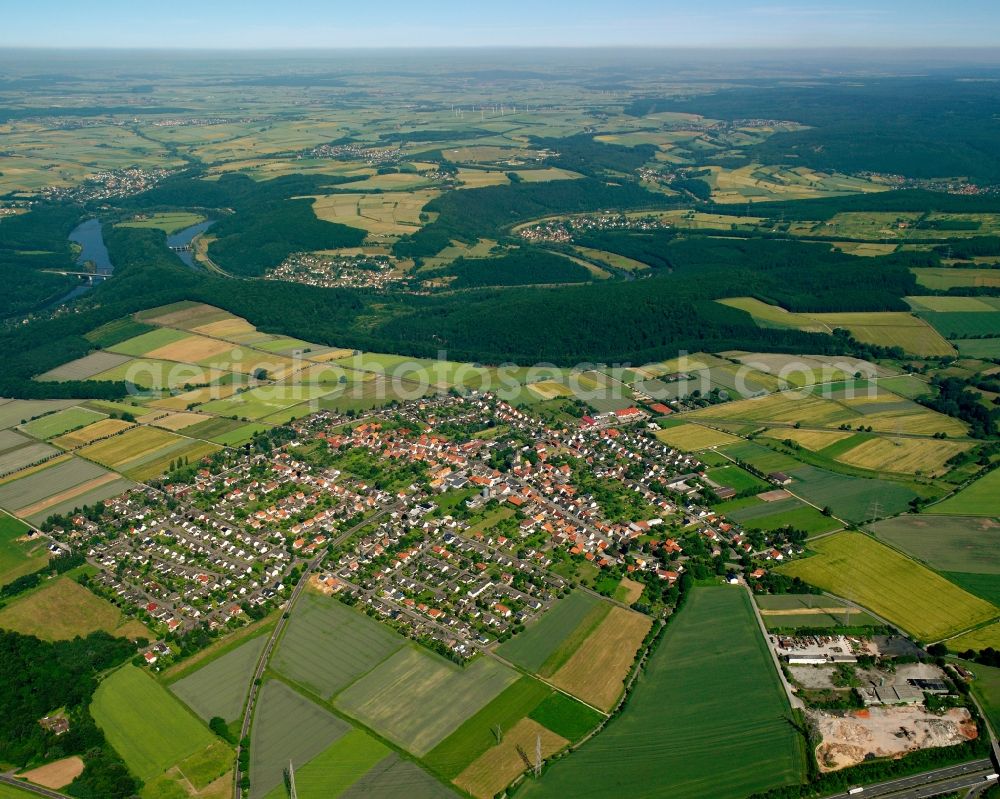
(266, 224)
(38, 677)
(919, 127)
(471, 214)
(519, 267)
(30, 243)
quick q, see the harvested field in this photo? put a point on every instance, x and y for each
(86, 367)
(400, 699)
(194, 349)
(849, 738)
(329, 645)
(55, 775)
(596, 672)
(904, 455)
(92, 432)
(175, 422)
(220, 687)
(147, 342)
(540, 641)
(694, 437)
(813, 440)
(64, 609)
(890, 329)
(629, 591)
(857, 567)
(494, 770)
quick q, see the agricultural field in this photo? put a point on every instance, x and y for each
(947, 543)
(694, 437)
(63, 609)
(857, 567)
(490, 773)
(337, 768)
(986, 687)
(329, 645)
(788, 611)
(386, 214)
(904, 455)
(148, 342)
(596, 671)
(264, 400)
(56, 774)
(981, 498)
(148, 727)
(383, 781)
(790, 512)
(220, 687)
(133, 447)
(169, 222)
(15, 412)
(61, 422)
(401, 698)
(85, 368)
(477, 734)
(736, 478)
(58, 483)
(944, 278)
(287, 727)
(206, 774)
(542, 639)
(19, 452)
(92, 432)
(19, 554)
(813, 440)
(980, 638)
(733, 712)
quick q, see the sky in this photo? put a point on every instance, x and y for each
(254, 24)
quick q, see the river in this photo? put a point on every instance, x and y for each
(183, 239)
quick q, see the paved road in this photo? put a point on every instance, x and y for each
(24, 786)
(265, 656)
(930, 783)
(793, 700)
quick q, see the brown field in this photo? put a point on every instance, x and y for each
(92, 432)
(596, 672)
(496, 768)
(64, 609)
(810, 439)
(178, 421)
(332, 355)
(903, 455)
(198, 396)
(55, 775)
(65, 496)
(173, 316)
(632, 590)
(193, 349)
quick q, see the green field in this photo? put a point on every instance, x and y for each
(14, 412)
(147, 342)
(476, 734)
(337, 768)
(923, 603)
(981, 498)
(793, 514)
(10, 792)
(986, 687)
(542, 639)
(16, 557)
(946, 543)
(287, 726)
(220, 688)
(147, 726)
(707, 720)
(850, 498)
(417, 699)
(981, 638)
(565, 716)
(986, 586)
(788, 611)
(737, 478)
(328, 645)
(56, 424)
(168, 222)
(393, 777)
(761, 457)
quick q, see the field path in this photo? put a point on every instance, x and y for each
(794, 701)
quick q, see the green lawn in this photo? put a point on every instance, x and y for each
(147, 726)
(737, 478)
(708, 719)
(18, 558)
(981, 498)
